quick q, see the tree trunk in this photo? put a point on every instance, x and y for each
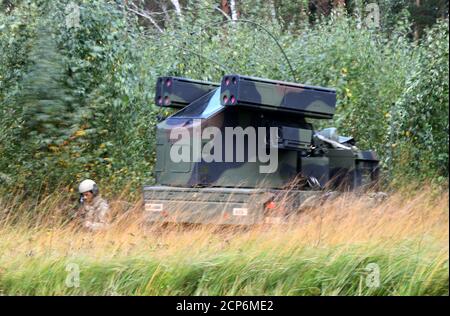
(234, 14)
(273, 11)
(416, 25)
(338, 3)
(338, 6)
(225, 7)
(177, 6)
(322, 7)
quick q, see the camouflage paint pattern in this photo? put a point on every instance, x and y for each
(227, 206)
(178, 92)
(310, 101)
(242, 101)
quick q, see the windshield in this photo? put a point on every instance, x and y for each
(202, 107)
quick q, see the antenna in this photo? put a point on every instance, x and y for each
(262, 28)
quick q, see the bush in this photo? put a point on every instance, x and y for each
(421, 113)
(77, 102)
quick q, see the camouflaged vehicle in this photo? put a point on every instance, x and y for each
(221, 191)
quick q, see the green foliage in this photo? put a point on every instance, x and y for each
(367, 68)
(77, 102)
(305, 271)
(74, 102)
(421, 117)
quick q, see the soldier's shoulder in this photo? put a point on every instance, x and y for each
(103, 202)
(100, 201)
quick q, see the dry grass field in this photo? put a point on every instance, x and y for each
(399, 247)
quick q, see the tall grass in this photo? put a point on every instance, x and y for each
(339, 249)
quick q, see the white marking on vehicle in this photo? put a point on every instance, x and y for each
(153, 207)
(240, 211)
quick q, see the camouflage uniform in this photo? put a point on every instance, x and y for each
(95, 214)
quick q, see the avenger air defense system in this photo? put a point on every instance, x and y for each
(245, 152)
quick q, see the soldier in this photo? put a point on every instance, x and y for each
(94, 210)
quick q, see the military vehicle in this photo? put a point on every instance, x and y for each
(248, 118)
